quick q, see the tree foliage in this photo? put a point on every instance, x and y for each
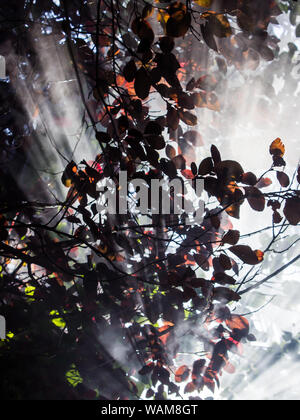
(99, 307)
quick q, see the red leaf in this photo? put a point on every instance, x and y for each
(277, 148)
(188, 174)
(240, 323)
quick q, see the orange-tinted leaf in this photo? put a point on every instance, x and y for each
(277, 148)
(260, 255)
(204, 3)
(231, 237)
(182, 374)
(238, 322)
(247, 255)
(188, 174)
(234, 210)
(179, 21)
(69, 174)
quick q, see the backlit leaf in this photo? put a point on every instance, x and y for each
(247, 255)
(277, 148)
